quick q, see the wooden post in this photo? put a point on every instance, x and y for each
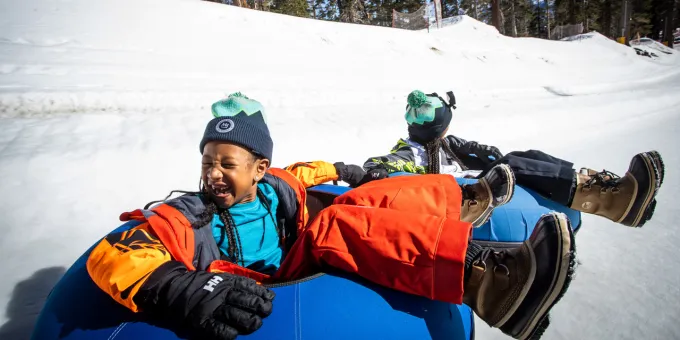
(438, 12)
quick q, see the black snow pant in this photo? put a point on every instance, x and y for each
(551, 177)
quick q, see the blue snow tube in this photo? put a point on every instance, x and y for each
(513, 222)
(324, 306)
(329, 306)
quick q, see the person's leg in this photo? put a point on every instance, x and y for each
(414, 253)
(437, 195)
(401, 237)
(432, 257)
(629, 200)
(551, 177)
(395, 220)
(423, 193)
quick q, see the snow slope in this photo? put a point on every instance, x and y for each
(102, 105)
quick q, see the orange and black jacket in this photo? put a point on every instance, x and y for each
(127, 263)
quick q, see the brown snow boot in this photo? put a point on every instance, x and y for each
(553, 244)
(527, 279)
(498, 281)
(629, 200)
(494, 189)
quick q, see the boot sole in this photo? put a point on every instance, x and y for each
(644, 213)
(565, 264)
(660, 166)
(484, 217)
(649, 212)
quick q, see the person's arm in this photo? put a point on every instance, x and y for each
(400, 159)
(122, 262)
(137, 271)
(486, 153)
(313, 173)
(318, 172)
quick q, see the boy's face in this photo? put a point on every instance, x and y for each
(231, 173)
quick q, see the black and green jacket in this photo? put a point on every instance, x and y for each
(410, 156)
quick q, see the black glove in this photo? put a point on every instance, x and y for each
(350, 174)
(374, 174)
(355, 175)
(483, 152)
(216, 306)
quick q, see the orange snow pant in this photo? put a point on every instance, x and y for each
(403, 233)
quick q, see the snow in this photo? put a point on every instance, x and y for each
(654, 49)
(103, 103)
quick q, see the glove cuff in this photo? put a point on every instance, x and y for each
(341, 169)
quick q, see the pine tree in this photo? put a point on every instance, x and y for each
(353, 11)
(496, 15)
(669, 22)
(298, 8)
(476, 8)
(513, 18)
(449, 8)
(605, 19)
(656, 19)
(641, 18)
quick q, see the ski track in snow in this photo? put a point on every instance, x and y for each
(99, 118)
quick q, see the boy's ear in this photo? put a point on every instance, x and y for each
(262, 166)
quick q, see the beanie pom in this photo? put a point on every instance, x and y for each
(416, 99)
(236, 103)
(238, 95)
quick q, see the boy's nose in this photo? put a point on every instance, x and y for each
(214, 173)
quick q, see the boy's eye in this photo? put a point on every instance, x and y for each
(227, 165)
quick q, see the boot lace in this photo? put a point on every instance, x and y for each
(605, 179)
(469, 194)
(497, 258)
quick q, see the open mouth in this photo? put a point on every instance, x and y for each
(219, 190)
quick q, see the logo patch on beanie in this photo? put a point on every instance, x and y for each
(224, 125)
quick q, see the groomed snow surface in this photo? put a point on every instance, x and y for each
(103, 103)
